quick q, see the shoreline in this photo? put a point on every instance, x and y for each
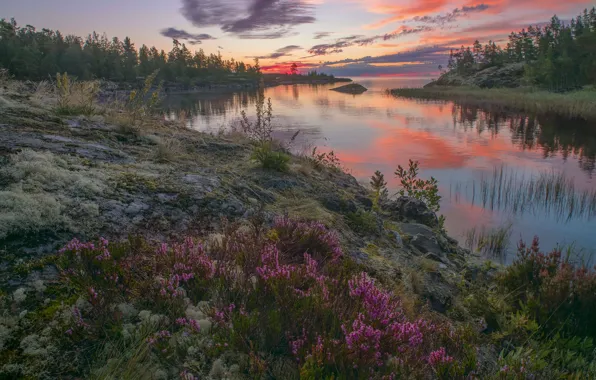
(203, 242)
(575, 104)
(215, 88)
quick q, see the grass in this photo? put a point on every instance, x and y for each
(548, 193)
(364, 222)
(269, 158)
(168, 149)
(301, 206)
(75, 97)
(578, 104)
(493, 242)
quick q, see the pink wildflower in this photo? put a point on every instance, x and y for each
(439, 357)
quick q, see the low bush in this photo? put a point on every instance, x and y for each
(364, 222)
(322, 160)
(538, 311)
(260, 129)
(379, 188)
(412, 186)
(269, 158)
(75, 97)
(248, 302)
(560, 296)
(141, 104)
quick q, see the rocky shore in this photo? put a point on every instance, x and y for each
(80, 176)
(133, 247)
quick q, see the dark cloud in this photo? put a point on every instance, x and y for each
(281, 52)
(419, 61)
(266, 19)
(181, 34)
(320, 35)
(324, 49)
(267, 36)
(426, 53)
(391, 36)
(451, 16)
(337, 47)
(356, 40)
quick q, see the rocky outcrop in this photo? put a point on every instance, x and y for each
(509, 76)
(412, 210)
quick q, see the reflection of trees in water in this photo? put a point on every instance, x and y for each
(552, 134)
(207, 105)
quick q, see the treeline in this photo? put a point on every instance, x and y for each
(558, 56)
(35, 55)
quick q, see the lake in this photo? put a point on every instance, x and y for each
(523, 175)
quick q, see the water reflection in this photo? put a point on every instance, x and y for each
(547, 194)
(552, 134)
(456, 143)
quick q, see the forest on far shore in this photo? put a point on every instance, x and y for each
(558, 56)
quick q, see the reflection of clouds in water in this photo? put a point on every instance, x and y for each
(453, 142)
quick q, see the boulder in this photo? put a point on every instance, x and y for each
(412, 210)
(335, 203)
(426, 241)
(438, 291)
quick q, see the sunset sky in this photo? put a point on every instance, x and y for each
(343, 37)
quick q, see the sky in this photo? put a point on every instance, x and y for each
(341, 37)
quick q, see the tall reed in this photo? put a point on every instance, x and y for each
(548, 193)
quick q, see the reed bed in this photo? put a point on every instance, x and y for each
(575, 104)
(489, 241)
(547, 193)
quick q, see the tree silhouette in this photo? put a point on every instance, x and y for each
(34, 55)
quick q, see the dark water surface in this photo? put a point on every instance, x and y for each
(533, 173)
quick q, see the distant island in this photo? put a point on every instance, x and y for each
(312, 77)
(353, 88)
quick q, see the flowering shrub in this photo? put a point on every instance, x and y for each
(330, 319)
(285, 292)
(296, 238)
(557, 294)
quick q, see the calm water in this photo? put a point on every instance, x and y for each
(486, 161)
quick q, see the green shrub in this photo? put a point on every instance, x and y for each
(142, 103)
(269, 158)
(325, 160)
(559, 295)
(555, 358)
(412, 186)
(364, 222)
(379, 188)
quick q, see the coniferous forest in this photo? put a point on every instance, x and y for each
(33, 54)
(558, 56)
